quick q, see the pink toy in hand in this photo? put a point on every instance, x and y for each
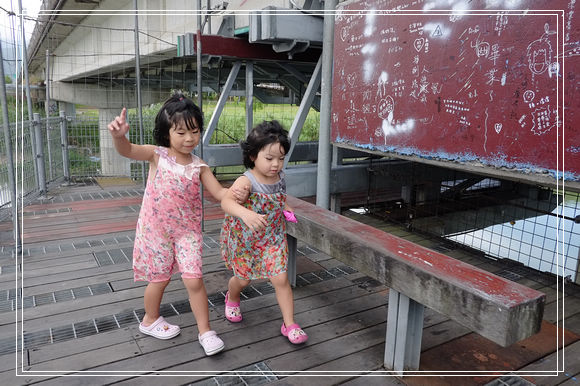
(289, 216)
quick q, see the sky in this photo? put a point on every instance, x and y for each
(29, 7)
(10, 29)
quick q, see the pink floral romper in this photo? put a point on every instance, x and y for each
(168, 237)
(264, 255)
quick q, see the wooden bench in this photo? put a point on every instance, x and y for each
(498, 309)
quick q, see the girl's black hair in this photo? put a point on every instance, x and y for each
(176, 109)
(265, 133)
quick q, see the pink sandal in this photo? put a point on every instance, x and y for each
(233, 311)
(294, 333)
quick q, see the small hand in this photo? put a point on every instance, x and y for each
(241, 194)
(255, 221)
(119, 126)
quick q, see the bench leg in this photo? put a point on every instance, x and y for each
(404, 332)
(292, 247)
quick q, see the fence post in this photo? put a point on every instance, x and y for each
(9, 158)
(39, 154)
(47, 113)
(64, 146)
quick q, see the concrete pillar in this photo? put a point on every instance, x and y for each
(112, 164)
(68, 108)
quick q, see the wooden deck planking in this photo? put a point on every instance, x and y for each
(345, 319)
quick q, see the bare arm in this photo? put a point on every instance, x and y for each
(215, 188)
(252, 219)
(118, 128)
(212, 184)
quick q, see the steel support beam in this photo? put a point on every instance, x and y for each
(213, 122)
(324, 153)
(304, 109)
(404, 333)
(249, 96)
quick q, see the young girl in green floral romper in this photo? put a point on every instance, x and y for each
(253, 236)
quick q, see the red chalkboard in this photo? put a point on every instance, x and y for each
(490, 82)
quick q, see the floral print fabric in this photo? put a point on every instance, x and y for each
(255, 255)
(168, 238)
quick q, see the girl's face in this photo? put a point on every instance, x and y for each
(182, 140)
(269, 161)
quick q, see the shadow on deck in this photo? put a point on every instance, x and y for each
(80, 310)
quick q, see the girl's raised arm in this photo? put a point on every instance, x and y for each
(118, 128)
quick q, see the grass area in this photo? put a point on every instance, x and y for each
(83, 134)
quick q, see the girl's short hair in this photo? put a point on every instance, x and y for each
(176, 109)
(264, 134)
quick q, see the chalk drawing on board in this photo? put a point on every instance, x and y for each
(352, 108)
(529, 96)
(419, 43)
(539, 53)
(437, 32)
(481, 48)
(491, 76)
(570, 49)
(351, 79)
(344, 33)
(522, 121)
(382, 85)
(386, 107)
(554, 69)
(485, 133)
(498, 126)
(541, 120)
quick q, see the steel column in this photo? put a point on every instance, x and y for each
(304, 109)
(292, 251)
(213, 122)
(64, 146)
(324, 155)
(47, 113)
(404, 333)
(39, 153)
(249, 96)
(138, 80)
(9, 156)
(27, 85)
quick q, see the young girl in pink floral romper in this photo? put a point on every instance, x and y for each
(168, 238)
(253, 236)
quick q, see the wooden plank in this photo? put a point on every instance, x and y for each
(503, 311)
(86, 204)
(63, 277)
(441, 333)
(551, 363)
(71, 348)
(327, 374)
(556, 311)
(260, 330)
(263, 341)
(389, 380)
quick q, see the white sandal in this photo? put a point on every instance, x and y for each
(160, 329)
(211, 343)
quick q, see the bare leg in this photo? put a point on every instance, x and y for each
(284, 297)
(152, 299)
(198, 302)
(236, 286)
